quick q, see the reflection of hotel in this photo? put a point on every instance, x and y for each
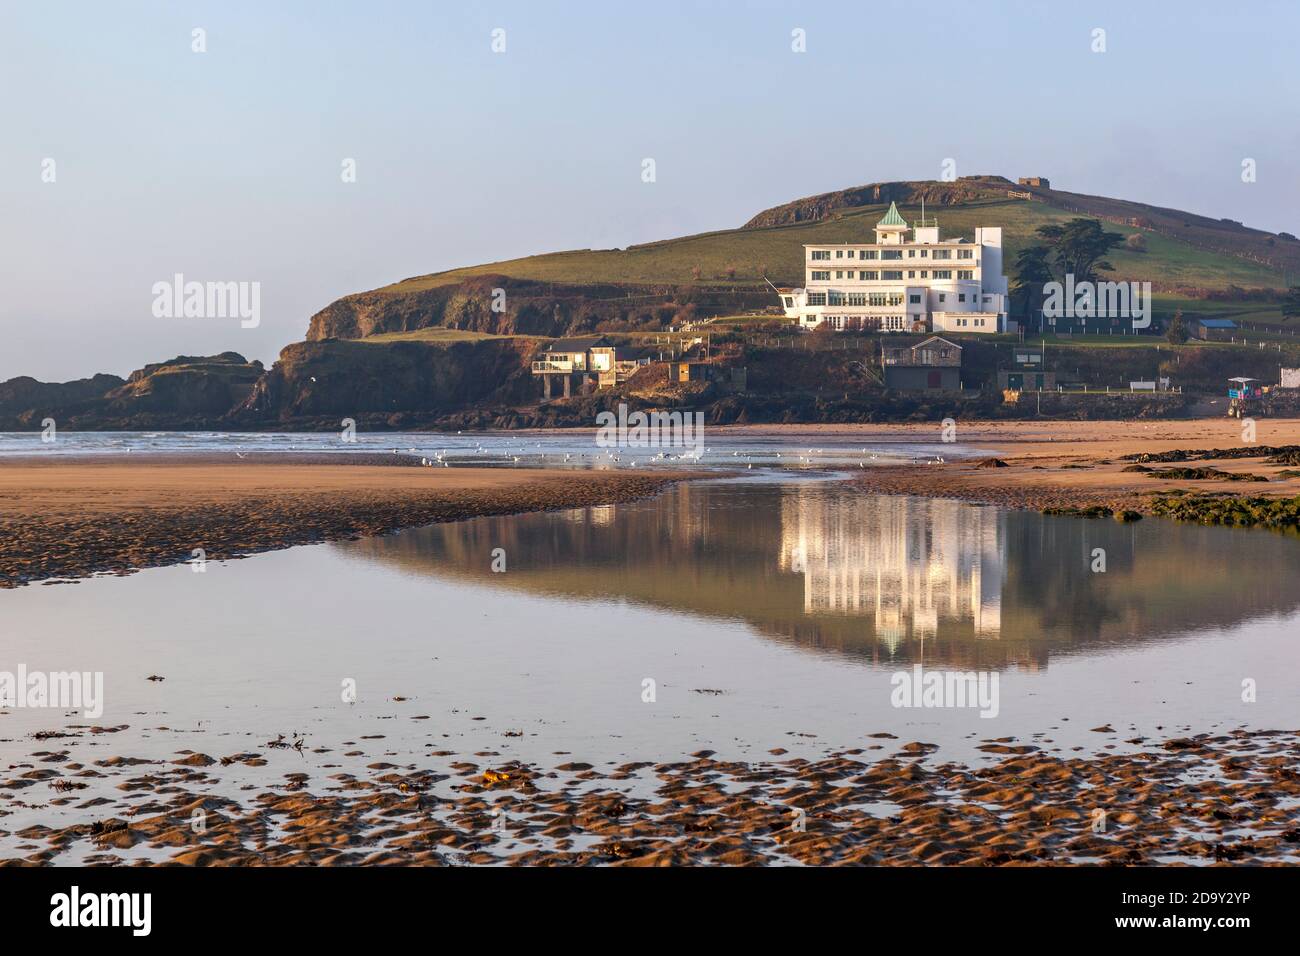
(912, 565)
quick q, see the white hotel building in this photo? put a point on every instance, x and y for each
(925, 285)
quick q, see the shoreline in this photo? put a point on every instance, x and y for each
(66, 519)
(73, 516)
(1072, 466)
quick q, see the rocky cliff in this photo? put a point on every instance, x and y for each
(396, 383)
(524, 307)
(181, 392)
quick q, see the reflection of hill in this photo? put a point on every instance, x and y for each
(887, 579)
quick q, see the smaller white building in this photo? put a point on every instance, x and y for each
(927, 284)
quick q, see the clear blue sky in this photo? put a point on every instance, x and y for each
(225, 165)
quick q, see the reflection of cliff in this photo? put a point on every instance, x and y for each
(881, 578)
(906, 563)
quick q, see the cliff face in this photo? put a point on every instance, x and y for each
(24, 402)
(530, 308)
(183, 391)
(185, 386)
(401, 380)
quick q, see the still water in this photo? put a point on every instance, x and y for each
(768, 613)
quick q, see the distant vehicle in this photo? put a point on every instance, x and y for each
(1246, 397)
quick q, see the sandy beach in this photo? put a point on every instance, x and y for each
(62, 518)
(1083, 464)
(1037, 438)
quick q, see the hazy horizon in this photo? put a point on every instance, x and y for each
(225, 165)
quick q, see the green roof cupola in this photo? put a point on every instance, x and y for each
(890, 230)
(892, 218)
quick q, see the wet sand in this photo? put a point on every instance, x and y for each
(62, 518)
(1083, 464)
(1223, 799)
(1099, 439)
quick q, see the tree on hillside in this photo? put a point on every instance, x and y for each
(1291, 304)
(1079, 246)
(1176, 334)
(1032, 271)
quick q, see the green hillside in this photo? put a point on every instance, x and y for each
(740, 256)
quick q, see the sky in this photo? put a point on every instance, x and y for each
(226, 165)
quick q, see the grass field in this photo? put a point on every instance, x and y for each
(778, 250)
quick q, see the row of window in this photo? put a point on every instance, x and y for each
(887, 323)
(879, 298)
(824, 255)
(870, 275)
(863, 298)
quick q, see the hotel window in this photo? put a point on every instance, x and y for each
(914, 299)
(868, 254)
(924, 253)
(857, 298)
(911, 273)
(943, 273)
(850, 254)
(821, 276)
(839, 253)
(911, 253)
(839, 273)
(943, 253)
(965, 253)
(849, 274)
(816, 298)
(820, 254)
(868, 276)
(924, 274)
(942, 297)
(961, 296)
(891, 253)
(965, 274)
(835, 298)
(891, 274)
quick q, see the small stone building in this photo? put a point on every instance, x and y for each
(932, 364)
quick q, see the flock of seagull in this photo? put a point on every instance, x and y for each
(517, 453)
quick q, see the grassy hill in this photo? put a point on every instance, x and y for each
(1203, 255)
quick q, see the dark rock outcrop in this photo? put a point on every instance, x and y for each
(184, 391)
(331, 380)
